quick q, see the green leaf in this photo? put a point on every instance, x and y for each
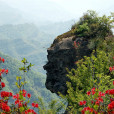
(20, 77)
(21, 109)
(17, 78)
(96, 107)
(22, 83)
(16, 83)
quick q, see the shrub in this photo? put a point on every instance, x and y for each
(91, 72)
(91, 25)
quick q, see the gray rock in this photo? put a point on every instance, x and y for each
(62, 55)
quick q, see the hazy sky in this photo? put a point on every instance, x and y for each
(63, 9)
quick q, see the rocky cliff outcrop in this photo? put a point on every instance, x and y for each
(61, 55)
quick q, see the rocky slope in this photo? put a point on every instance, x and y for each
(63, 54)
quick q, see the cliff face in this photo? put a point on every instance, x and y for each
(61, 55)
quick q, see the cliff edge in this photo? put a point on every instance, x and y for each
(61, 55)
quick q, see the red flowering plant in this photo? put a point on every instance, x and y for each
(21, 98)
(76, 44)
(89, 83)
(98, 102)
(4, 96)
(100, 99)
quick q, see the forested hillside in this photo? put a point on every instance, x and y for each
(10, 15)
(35, 80)
(27, 41)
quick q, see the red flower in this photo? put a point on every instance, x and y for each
(92, 102)
(88, 93)
(30, 111)
(100, 99)
(110, 69)
(93, 92)
(111, 99)
(28, 95)
(3, 60)
(24, 93)
(20, 104)
(5, 107)
(2, 70)
(16, 96)
(93, 89)
(101, 94)
(111, 105)
(17, 101)
(82, 103)
(113, 68)
(113, 58)
(5, 94)
(111, 92)
(113, 82)
(6, 71)
(35, 105)
(2, 84)
(75, 45)
(11, 94)
(97, 102)
(87, 109)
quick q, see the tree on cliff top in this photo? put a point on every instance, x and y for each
(91, 25)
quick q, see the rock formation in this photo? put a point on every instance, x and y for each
(61, 55)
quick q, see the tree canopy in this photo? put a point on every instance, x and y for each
(91, 25)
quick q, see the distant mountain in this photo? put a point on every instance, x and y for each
(26, 31)
(57, 28)
(9, 15)
(28, 40)
(25, 40)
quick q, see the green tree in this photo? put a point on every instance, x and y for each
(53, 107)
(91, 25)
(91, 72)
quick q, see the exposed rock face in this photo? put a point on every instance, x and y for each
(62, 55)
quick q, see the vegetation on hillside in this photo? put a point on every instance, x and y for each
(94, 76)
(35, 80)
(91, 26)
(91, 85)
(92, 72)
(96, 71)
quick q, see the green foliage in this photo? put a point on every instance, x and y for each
(91, 72)
(108, 46)
(25, 69)
(53, 107)
(91, 25)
